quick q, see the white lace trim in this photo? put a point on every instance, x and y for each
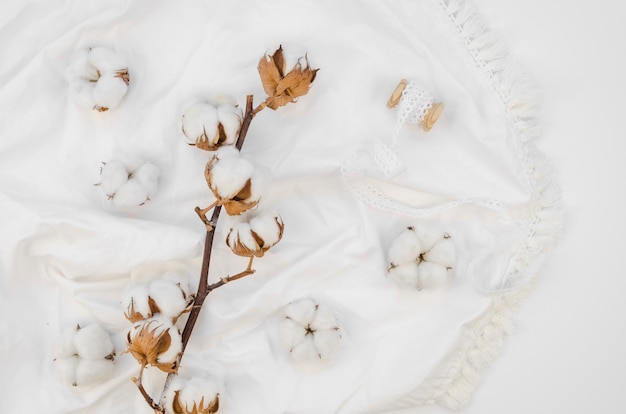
(483, 339)
(415, 102)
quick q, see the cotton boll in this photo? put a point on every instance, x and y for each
(93, 342)
(109, 91)
(291, 333)
(268, 226)
(323, 319)
(169, 298)
(405, 248)
(443, 253)
(305, 351)
(130, 162)
(431, 275)
(405, 274)
(302, 311)
(155, 341)
(229, 175)
(106, 60)
(132, 193)
(113, 175)
(66, 369)
(227, 152)
(230, 117)
(192, 395)
(242, 234)
(261, 180)
(81, 68)
(64, 346)
(198, 120)
(327, 342)
(81, 92)
(148, 177)
(92, 372)
(428, 237)
(136, 302)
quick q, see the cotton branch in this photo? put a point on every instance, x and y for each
(203, 286)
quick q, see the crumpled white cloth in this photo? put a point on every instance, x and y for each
(66, 254)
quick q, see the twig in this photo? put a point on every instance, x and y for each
(138, 382)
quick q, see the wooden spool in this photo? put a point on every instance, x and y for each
(431, 116)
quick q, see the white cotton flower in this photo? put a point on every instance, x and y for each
(128, 181)
(93, 342)
(211, 124)
(302, 311)
(84, 356)
(167, 297)
(66, 369)
(309, 331)
(230, 175)
(431, 275)
(443, 253)
(235, 182)
(131, 194)
(406, 274)
(93, 371)
(420, 258)
(113, 175)
(108, 91)
(98, 78)
(64, 347)
(195, 395)
(255, 236)
(136, 302)
(105, 60)
(148, 176)
(155, 341)
(404, 246)
(171, 300)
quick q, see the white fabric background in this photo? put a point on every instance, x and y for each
(560, 330)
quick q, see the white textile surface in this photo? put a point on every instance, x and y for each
(66, 253)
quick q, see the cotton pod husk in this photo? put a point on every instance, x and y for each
(256, 235)
(211, 124)
(283, 87)
(235, 182)
(195, 395)
(156, 342)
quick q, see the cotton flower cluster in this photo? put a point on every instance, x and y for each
(129, 182)
(167, 296)
(212, 124)
(309, 331)
(420, 258)
(195, 395)
(157, 342)
(256, 234)
(98, 78)
(84, 356)
(236, 183)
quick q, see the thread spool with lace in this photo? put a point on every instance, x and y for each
(416, 106)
